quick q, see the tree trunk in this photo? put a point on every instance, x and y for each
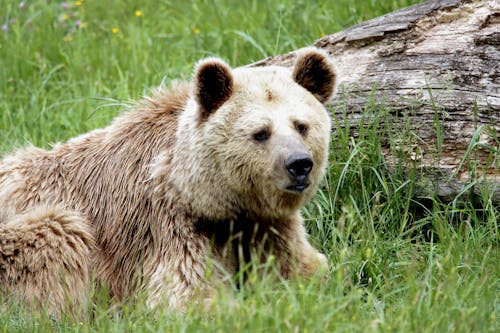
(437, 66)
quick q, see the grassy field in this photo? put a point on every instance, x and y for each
(397, 262)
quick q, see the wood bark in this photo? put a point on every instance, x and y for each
(435, 67)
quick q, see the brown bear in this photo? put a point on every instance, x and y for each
(213, 171)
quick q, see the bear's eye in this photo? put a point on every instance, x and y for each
(262, 135)
(301, 128)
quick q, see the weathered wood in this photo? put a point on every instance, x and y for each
(437, 64)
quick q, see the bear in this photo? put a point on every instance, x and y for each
(211, 172)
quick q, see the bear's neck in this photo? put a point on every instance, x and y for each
(237, 241)
(194, 177)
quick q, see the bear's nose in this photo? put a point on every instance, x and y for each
(299, 166)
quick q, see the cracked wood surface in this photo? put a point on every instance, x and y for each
(437, 65)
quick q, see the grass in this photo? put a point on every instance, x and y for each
(398, 262)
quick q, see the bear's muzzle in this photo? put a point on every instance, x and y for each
(298, 166)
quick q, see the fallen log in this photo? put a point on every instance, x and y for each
(435, 66)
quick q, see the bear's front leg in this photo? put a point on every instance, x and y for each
(181, 277)
(295, 254)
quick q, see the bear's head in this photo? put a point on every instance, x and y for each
(254, 139)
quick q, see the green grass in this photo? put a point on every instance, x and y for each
(398, 262)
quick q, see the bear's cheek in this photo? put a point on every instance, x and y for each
(318, 144)
(246, 167)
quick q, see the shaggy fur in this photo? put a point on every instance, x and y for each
(183, 180)
(45, 254)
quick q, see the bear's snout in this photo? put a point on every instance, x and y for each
(299, 166)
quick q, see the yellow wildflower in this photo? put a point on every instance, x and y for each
(78, 3)
(196, 31)
(115, 30)
(138, 13)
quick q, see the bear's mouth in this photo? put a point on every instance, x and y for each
(298, 187)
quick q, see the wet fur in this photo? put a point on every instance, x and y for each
(142, 205)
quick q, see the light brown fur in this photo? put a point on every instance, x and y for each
(45, 257)
(146, 203)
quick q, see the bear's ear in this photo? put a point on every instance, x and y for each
(314, 72)
(213, 85)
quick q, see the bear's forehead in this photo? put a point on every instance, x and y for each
(269, 95)
(265, 82)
